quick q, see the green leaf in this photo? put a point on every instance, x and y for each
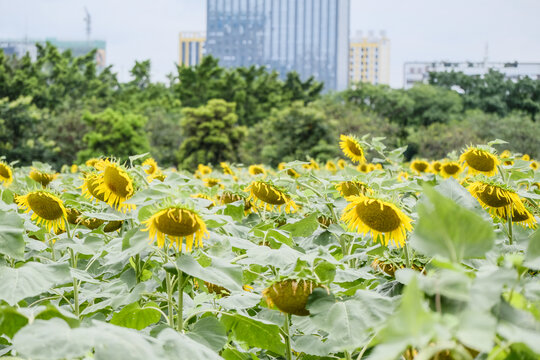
(209, 332)
(447, 229)
(532, 257)
(51, 311)
(304, 227)
(134, 317)
(30, 279)
(11, 235)
(233, 354)
(219, 272)
(11, 321)
(255, 333)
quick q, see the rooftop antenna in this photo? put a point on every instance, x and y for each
(88, 21)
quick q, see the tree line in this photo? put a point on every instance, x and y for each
(62, 110)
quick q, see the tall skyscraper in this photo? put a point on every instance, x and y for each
(310, 37)
(191, 48)
(370, 59)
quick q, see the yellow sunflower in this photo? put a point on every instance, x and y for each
(41, 177)
(534, 165)
(498, 199)
(257, 170)
(342, 164)
(290, 296)
(211, 182)
(177, 223)
(420, 166)
(450, 169)
(402, 176)
(480, 161)
(522, 218)
(348, 188)
(116, 186)
(267, 196)
(526, 157)
(364, 167)
(91, 162)
(89, 187)
(352, 148)
(506, 154)
(6, 174)
(202, 170)
(384, 220)
(330, 166)
(46, 208)
(435, 166)
(150, 166)
(206, 197)
(226, 168)
(74, 168)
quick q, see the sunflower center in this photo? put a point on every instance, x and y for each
(354, 148)
(91, 184)
(480, 161)
(117, 182)
(4, 171)
(177, 222)
(45, 206)
(268, 194)
(379, 217)
(492, 196)
(349, 188)
(451, 169)
(420, 167)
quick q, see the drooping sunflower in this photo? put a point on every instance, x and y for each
(341, 164)
(290, 296)
(420, 166)
(480, 161)
(41, 177)
(522, 218)
(92, 162)
(177, 223)
(435, 166)
(150, 166)
(89, 187)
(352, 148)
(116, 186)
(46, 208)
(257, 170)
(348, 188)
(268, 196)
(226, 168)
(384, 220)
(450, 169)
(113, 226)
(6, 174)
(497, 198)
(331, 166)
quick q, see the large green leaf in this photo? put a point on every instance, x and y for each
(11, 235)
(30, 279)
(136, 317)
(449, 230)
(304, 227)
(219, 272)
(11, 321)
(209, 332)
(255, 333)
(532, 257)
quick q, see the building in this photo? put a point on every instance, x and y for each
(310, 37)
(418, 71)
(369, 59)
(191, 48)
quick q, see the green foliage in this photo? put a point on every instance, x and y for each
(433, 105)
(114, 133)
(211, 134)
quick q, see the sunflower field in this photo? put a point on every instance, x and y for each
(364, 258)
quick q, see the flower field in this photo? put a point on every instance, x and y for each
(363, 258)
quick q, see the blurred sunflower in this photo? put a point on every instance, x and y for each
(74, 168)
(498, 199)
(523, 218)
(352, 148)
(342, 164)
(257, 170)
(402, 176)
(150, 166)
(202, 170)
(205, 197)
(382, 219)
(435, 166)
(526, 157)
(46, 208)
(92, 162)
(268, 196)
(331, 166)
(450, 169)
(41, 177)
(480, 161)
(115, 184)
(348, 188)
(364, 167)
(211, 182)
(290, 296)
(6, 174)
(420, 166)
(177, 223)
(226, 168)
(534, 165)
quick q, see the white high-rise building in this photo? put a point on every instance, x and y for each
(369, 58)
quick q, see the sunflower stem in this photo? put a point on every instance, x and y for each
(509, 221)
(286, 329)
(75, 282)
(169, 298)
(406, 251)
(180, 316)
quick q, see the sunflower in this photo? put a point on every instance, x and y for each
(420, 166)
(91, 162)
(290, 296)
(177, 223)
(113, 226)
(534, 165)
(226, 168)
(116, 186)
(506, 154)
(205, 197)
(497, 198)
(524, 218)
(342, 164)
(268, 196)
(480, 161)
(330, 166)
(367, 214)
(41, 177)
(435, 166)
(257, 170)
(293, 173)
(526, 157)
(314, 165)
(450, 169)
(402, 176)
(47, 208)
(73, 168)
(202, 170)
(351, 148)
(211, 182)
(365, 168)
(6, 174)
(150, 166)
(89, 187)
(348, 188)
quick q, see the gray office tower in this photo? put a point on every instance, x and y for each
(310, 37)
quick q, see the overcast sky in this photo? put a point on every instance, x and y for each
(418, 29)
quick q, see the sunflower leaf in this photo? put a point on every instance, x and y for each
(11, 235)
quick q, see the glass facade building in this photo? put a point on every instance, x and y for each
(310, 37)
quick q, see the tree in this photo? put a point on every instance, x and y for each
(433, 105)
(211, 134)
(112, 133)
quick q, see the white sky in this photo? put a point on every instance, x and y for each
(418, 29)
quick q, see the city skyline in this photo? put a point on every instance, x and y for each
(419, 30)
